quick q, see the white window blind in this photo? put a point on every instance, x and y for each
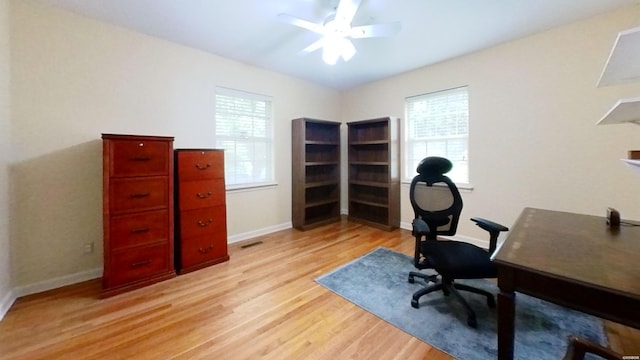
(438, 125)
(244, 130)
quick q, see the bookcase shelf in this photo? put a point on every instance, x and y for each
(374, 184)
(315, 172)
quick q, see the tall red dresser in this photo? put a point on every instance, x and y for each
(137, 211)
(201, 214)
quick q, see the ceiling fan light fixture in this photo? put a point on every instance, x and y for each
(336, 47)
(330, 51)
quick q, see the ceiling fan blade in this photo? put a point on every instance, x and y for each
(346, 11)
(377, 30)
(314, 46)
(347, 50)
(289, 19)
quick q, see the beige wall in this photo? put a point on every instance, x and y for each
(533, 140)
(533, 106)
(5, 158)
(75, 78)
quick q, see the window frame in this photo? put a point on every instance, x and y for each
(408, 170)
(267, 141)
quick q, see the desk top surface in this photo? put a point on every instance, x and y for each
(576, 247)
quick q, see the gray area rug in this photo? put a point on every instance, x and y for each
(377, 282)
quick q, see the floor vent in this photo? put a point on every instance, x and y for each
(251, 244)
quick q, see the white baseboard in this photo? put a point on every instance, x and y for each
(45, 285)
(477, 242)
(41, 286)
(71, 279)
(6, 303)
(57, 282)
(405, 225)
(259, 232)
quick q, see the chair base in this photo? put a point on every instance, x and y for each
(425, 277)
(449, 287)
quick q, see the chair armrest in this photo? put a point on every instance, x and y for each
(493, 228)
(579, 347)
(490, 226)
(420, 227)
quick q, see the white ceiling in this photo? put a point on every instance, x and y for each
(249, 31)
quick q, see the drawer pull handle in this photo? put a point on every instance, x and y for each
(140, 195)
(203, 167)
(140, 230)
(203, 223)
(205, 249)
(141, 263)
(203, 195)
(140, 158)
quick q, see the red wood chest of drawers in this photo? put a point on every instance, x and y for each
(201, 214)
(137, 211)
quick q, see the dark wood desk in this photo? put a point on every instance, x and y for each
(572, 260)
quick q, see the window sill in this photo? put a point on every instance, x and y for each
(249, 187)
(461, 187)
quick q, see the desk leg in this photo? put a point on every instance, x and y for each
(506, 324)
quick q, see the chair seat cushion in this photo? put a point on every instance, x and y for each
(459, 260)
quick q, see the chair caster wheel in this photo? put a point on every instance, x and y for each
(471, 321)
(491, 302)
(415, 304)
(411, 280)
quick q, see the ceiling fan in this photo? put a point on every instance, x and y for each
(337, 31)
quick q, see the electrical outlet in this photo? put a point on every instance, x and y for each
(88, 248)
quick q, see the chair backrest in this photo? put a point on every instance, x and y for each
(440, 205)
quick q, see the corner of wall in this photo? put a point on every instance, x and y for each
(6, 304)
(6, 295)
(14, 294)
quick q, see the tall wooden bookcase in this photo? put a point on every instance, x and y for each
(315, 172)
(374, 172)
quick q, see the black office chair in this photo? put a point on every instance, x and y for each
(437, 211)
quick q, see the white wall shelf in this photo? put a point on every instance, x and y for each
(623, 65)
(635, 164)
(624, 111)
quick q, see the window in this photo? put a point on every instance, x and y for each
(437, 124)
(244, 131)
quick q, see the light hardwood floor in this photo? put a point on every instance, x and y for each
(262, 303)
